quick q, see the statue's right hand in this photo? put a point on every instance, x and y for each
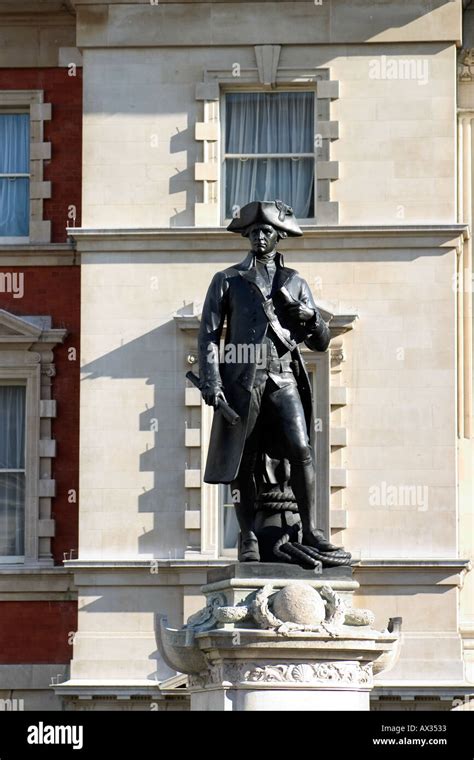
(211, 394)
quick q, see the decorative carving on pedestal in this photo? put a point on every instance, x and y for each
(289, 638)
(342, 674)
(296, 603)
(206, 619)
(291, 673)
(290, 601)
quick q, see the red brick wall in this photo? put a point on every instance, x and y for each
(64, 132)
(37, 632)
(55, 291)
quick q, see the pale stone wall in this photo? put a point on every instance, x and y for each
(399, 372)
(396, 150)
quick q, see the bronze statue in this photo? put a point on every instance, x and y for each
(259, 387)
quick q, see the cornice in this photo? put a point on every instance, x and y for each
(143, 564)
(32, 13)
(37, 254)
(217, 239)
(108, 23)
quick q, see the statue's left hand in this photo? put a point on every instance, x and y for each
(300, 312)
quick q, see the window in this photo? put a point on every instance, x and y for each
(269, 149)
(27, 447)
(229, 526)
(12, 472)
(14, 174)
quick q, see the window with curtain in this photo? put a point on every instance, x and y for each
(14, 174)
(229, 525)
(12, 470)
(269, 150)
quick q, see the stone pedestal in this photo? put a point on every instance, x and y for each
(276, 637)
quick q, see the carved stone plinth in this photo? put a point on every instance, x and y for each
(292, 642)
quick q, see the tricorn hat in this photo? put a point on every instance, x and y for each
(276, 213)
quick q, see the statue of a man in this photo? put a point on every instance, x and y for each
(268, 309)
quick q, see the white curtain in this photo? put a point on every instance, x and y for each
(12, 457)
(14, 158)
(270, 123)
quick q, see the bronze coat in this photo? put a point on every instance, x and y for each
(234, 297)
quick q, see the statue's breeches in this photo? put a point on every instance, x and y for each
(276, 424)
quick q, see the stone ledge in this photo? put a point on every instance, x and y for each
(411, 572)
(413, 689)
(409, 563)
(20, 676)
(115, 688)
(139, 564)
(143, 573)
(36, 584)
(206, 240)
(38, 255)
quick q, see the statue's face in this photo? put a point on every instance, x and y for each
(263, 238)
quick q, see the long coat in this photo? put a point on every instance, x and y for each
(235, 298)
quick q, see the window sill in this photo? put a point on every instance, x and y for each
(15, 244)
(21, 569)
(37, 254)
(6, 240)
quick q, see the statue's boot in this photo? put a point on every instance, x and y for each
(248, 549)
(317, 540)
(302, 483)
(244, 487)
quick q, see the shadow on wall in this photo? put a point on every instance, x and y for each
(153, 357)
(183, 181)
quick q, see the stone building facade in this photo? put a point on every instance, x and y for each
(383, 151)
